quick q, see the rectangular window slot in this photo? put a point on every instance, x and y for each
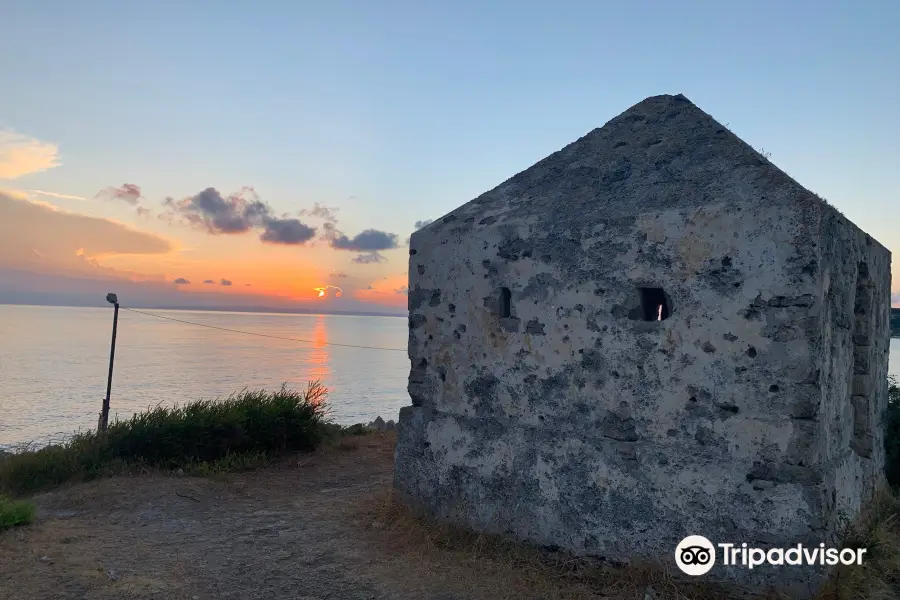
(505, 303)
(654, 304)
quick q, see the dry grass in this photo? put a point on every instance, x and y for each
(350, 443)
(262, 533)
(330, 492)
(878, 578)
(495, 567)
(508, 569)
(381, 443)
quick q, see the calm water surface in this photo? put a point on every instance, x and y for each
(54, 361)
(53, 364)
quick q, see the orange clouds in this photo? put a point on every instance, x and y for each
(45, 240)
(21, 155)
(38, 235)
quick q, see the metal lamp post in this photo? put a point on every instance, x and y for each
(104, 414)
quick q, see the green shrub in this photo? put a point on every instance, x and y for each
(15, 512)
(892, 434)
(251, 424)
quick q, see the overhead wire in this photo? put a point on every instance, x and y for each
(266, 335)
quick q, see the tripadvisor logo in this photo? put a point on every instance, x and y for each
(696, 555)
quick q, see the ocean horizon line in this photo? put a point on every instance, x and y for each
(222, 309)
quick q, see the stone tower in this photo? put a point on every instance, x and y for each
(651, 333)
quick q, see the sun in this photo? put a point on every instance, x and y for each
(323, 291)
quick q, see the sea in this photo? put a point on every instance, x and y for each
(54, 363)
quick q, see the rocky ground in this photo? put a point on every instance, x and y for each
(318, 525)
(288, 531)
(301, 529)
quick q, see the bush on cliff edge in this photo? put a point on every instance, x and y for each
(255, 424)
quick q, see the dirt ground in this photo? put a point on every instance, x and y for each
(301, 529)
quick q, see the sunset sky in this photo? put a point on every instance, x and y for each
(258, 154)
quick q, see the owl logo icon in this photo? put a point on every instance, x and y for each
(695, 555)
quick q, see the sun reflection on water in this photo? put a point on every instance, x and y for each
(317, 360)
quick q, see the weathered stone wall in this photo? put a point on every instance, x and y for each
(572, 422)
(855, 273)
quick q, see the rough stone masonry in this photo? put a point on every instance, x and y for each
(651, 333)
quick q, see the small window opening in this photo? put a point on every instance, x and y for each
(505, 303)
(654, 304)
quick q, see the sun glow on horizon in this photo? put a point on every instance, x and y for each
(323, 291)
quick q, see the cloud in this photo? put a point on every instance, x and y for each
(895, 298)
(216, 214)
(208, 281)
(320, 212)
(369, 258)
(369, 287)
(248, 285)
(287, 231)
(417, 226)
(21, 155)
(238, 213)
(129, 192)
(403, 290)
(340, 275)
(143, 212)
(66, 241)
(180, 281)
(54, 195)
(18, 286)
(244, 211)
(330, 232)
(225, 282)
(370, 240)
(368, 243)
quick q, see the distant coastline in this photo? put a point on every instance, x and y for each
(237, 309)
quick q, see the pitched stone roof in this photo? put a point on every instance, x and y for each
(662, 153)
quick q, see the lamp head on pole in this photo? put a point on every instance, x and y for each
(112, 299)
